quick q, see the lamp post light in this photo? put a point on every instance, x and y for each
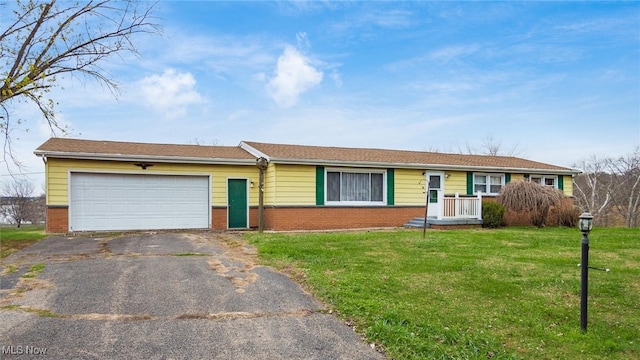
(585, 224)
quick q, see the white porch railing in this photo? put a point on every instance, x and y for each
(466, 207)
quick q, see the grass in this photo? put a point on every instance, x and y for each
(191, 254)
(13, 239)
(33, 271)
(502, 294)
(40, 312)
(10, 269)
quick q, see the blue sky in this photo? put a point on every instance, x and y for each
(557, 81)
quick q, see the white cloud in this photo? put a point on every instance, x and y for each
(294, 75)
(366, 22)
(303, 40)
(170, 93)
(390, 19)
(337, 79)
(239, 115)
(452, 53)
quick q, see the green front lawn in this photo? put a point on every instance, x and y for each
(505, 293)
(13, 239)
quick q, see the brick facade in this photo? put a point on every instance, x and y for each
(219, 218)
(57, 219)
(288, 218)
(338, 217)
(310, 218)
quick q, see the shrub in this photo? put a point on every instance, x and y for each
(492, 214)
(525, 196)
(568, 214)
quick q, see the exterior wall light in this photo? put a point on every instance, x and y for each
(143, 166)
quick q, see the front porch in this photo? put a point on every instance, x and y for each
(451, 212)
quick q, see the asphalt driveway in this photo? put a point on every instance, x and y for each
(161, 296)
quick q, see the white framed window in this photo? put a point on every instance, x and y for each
(488, 183)
(355, 187)
(546, 180)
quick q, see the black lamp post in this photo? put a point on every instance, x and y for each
(585, 224)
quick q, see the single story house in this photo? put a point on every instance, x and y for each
(107, 185)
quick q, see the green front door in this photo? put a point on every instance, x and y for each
(237, 202)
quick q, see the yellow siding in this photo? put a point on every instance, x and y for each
(221, 173)
(409, 187)
(46, 184)
(567, 182)
(295, 185)
(270, 185)
(284, 184)
(568, 185)
(58, 175)
(455, 183)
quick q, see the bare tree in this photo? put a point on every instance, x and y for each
(36, 212)
(610, 189)
(626, 183)
(15, 205)
(489, 146)
(196, 141)
(593, 189)
(45, 39)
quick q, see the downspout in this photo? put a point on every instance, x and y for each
(262, 164)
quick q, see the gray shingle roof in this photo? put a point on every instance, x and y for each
(282, 152)
(61, 146)
(248, 151)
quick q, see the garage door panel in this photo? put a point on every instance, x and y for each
(138, 202)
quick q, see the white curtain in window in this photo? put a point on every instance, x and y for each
(480, 183)
(496, 184)
(355, 186)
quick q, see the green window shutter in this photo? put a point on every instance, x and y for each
(507, 178)
(469, 183)
(560, 182)
(320, 185)
(390, 187)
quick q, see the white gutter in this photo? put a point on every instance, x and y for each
(160, 159)
(253, 151)
(423, 166)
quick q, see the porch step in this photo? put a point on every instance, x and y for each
(417, 222)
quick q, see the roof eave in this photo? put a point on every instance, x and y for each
(443, 167)
(160, 159)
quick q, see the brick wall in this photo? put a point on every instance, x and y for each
(253, 217)
(57, 219)
(219, 217)
(326, 218)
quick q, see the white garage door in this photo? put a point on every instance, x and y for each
(138, 202)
